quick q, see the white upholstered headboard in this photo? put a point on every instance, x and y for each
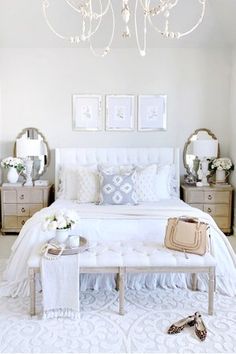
(116, 156)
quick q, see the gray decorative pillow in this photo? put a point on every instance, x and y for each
(117, 188)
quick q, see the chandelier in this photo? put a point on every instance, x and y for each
(92, 13)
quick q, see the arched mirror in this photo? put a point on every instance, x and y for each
(191, 162)
(41, 158)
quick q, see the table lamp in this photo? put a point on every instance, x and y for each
(26, 149)
(204, 149)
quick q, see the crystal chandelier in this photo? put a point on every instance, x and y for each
(92, 12)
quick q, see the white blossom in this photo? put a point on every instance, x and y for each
(61, 219)
(223, 163)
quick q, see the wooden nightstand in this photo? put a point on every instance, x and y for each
(216, 201)
(18, 204)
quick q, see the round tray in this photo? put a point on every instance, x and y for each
(69, 251)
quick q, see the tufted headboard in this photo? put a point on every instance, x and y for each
(65, 157)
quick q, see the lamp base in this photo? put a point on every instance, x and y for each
(28, 167)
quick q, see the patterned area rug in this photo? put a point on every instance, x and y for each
(102, 329)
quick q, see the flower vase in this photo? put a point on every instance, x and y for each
(62, 235)
(220, 176)
(12, 175)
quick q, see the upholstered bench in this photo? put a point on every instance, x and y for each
(136, 257)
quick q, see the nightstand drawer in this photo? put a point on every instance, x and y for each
(23, 210)
(216, 197)
(217, 209)
(195, 196)
(9, 209)
(23, 196)
(37, 196)
(21, 220)
(9, 196)
(198, 206)
(10, 222)
(34, 208)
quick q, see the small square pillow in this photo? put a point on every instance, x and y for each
(117, 189)
(145, 183)
(88, 185)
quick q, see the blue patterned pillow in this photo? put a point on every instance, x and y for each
(117, 189)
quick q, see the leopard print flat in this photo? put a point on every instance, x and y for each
(199, 327)
(177, 327)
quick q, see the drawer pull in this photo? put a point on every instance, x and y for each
(23, 210)
(210, 197)
(22, 196)
(209, 210)
(23, 222)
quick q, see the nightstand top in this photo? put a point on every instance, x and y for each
(224, 187)
(25, 187)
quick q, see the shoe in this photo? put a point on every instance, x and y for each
(199, 326)
(177, 327)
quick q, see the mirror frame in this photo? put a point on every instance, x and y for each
(189, 141)
(46, 143)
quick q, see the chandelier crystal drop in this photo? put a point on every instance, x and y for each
(92, 13)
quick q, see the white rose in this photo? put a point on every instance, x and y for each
(52, 226)
(61, 222)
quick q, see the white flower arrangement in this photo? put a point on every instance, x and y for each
(15, 162)
(62, 219)
(222, 164)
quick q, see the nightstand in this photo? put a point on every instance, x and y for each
(18, 204)
(216, 201)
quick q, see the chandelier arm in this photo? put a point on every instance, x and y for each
(142, 51)
(50, 25)
(92, 32)
(73, 7)
(199, 21)
(107, 48)
(97, 15)
(179, 34)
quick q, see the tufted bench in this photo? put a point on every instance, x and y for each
(134, 257)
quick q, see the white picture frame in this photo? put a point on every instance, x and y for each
(120, 112)
(87, 112)
(152, 112)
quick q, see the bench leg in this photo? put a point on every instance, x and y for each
(211, 290)
(194, 281)
(122, 291)
(32, 291)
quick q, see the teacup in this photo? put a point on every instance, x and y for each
(74, 241)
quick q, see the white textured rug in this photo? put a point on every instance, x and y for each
(102, 329)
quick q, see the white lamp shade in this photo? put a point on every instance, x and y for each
(27, 147)
(205, 148)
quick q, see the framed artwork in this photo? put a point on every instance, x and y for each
(152, 112)
(120, 112)
(87, 112)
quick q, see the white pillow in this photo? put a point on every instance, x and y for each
(145, 186)
(88, 185)
(68, 183)
(163, 177)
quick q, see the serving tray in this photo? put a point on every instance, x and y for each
(69, 251)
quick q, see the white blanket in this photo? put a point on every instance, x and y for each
(60, 283)
(118, 223)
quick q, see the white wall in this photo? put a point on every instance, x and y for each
(37, 84)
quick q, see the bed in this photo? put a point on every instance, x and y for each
(140, 223)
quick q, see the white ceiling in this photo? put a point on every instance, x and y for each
(22, 25)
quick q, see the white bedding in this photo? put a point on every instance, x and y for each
(99, 223)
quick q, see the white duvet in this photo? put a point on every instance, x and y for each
(98, 223)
